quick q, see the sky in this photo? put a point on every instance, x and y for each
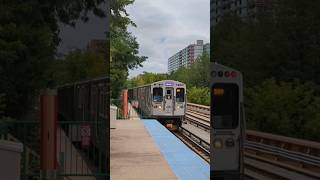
(79, 36)
(166, 26)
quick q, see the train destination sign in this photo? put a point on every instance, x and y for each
(168, 83)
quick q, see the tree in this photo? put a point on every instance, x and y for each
(28, 41)
(146, 78)
(283, 44)
(196, 75)
(124, 47)
(290, 109)
(78, 65)
(199, 95)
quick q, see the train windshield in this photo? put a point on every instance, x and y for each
(225, 106)
(157, 94)
(180, 95)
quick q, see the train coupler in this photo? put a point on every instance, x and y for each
(171, 126)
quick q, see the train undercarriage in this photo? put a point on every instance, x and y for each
(171, 123)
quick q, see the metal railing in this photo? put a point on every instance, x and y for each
(300, 156)
(196, 139)
(80, 150)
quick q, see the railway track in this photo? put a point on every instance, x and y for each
(269, 156)
(194, 142)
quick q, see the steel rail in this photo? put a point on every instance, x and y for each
(202, 143)
(296, 156)
(291, 144)
(268, 144)
(195, 121)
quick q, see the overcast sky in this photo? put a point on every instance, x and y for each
(79, 36)
(166, 26)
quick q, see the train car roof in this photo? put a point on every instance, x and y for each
(163, 81)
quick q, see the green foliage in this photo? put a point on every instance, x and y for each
(79, 65)
(199, 95)
(28, 41)
(146, 78)
(290, 109)
(26, 47)
(2, 104)
(124, 47)
(5, 122)
(283, 44)
(196, 75)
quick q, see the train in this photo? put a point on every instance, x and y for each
(162, 100)
(227, 120)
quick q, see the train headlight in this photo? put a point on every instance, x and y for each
(217, 143)
(159, 107)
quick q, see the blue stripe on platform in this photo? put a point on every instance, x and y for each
(185, 163)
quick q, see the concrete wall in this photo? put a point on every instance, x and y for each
(113, 117)
(10, 160)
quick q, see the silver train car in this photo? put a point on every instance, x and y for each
(163, 100)
(227, 123)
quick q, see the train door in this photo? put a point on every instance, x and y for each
(179, 101)
(227, 124)
(168, 100)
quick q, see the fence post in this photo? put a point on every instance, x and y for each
(125, 103)
(48, 130)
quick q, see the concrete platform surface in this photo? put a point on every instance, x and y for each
(186, 164)
(134, 155)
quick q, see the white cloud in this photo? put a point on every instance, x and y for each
(165, 27)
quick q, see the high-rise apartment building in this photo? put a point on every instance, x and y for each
(187, 56)
(242, 8)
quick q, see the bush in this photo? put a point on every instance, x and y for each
(290, 109)
(199, 95)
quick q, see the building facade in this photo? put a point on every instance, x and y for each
(242, 8)
(187, 56)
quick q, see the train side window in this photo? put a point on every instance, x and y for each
(180, 94)
(157, 94)
(225, 106)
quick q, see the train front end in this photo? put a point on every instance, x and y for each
(227, 123)
(169, 102)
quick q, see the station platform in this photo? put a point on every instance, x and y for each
(146, 150)
(185, 163)
(134, 154)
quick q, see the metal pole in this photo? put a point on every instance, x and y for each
(48, 124)
(125, 103)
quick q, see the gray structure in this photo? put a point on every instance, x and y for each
(242, 8)
(187, 56)
(10, 159)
